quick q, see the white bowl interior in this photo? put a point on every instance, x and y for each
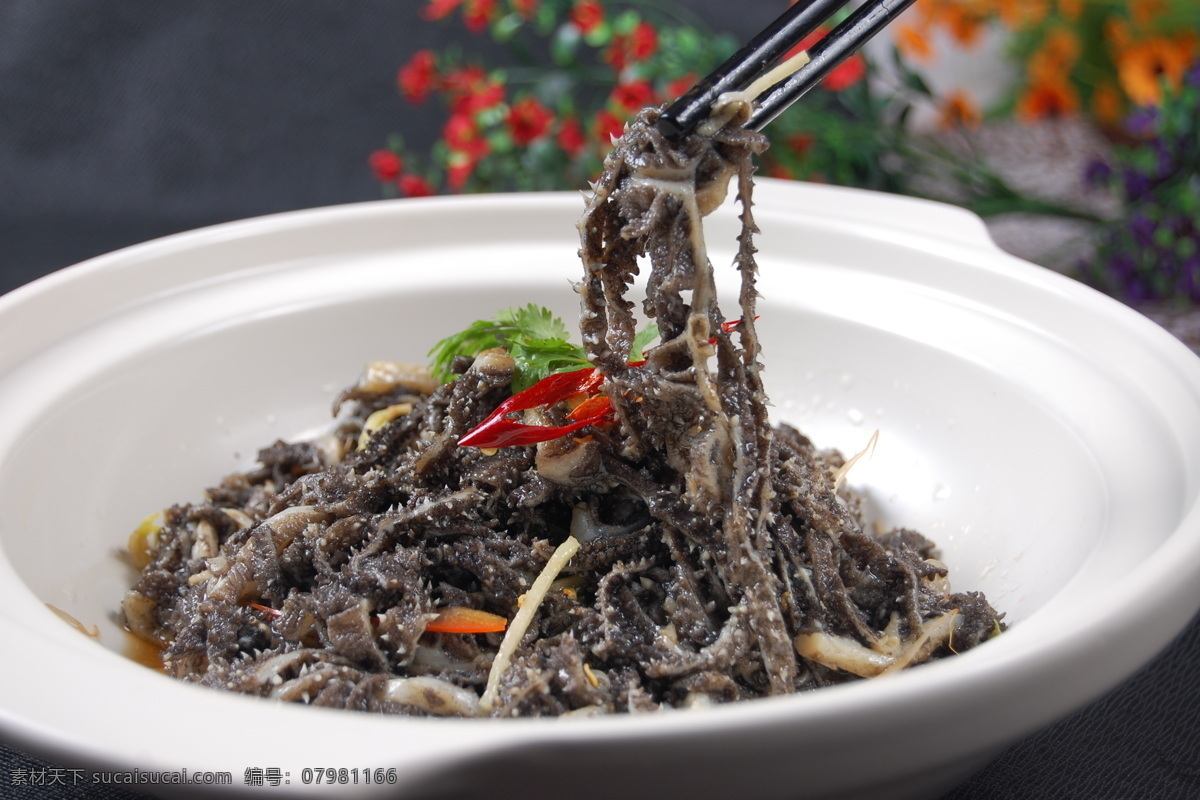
(1042, 436)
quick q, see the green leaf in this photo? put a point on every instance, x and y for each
(538, 322)
(915, 82)
(565, 44)
(600, 35)
(507, 26)
(536, 339)
(626, 21)
(644, 337)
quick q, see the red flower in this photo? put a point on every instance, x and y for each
(777, 170)
(471, 91)
(615, 54)
(385, 165)
(526, 8)
(846, 74)
(465, 80)
(608, 125)
(587, 15)
(801, 143)
(643, 41)
(462, 136)
(486, 96)
(570, 137)
(633, 96)
(418, 77)
(414, 185)
(528, 120)
(458, 171)
(679, 86)
(439, 8)
(478, 13)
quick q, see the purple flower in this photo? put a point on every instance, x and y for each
(1143, 228)
(1097, 172)
(1192, 77)
(1136, 184)
(1166, 159)
(1142, 121)
(1188, 280)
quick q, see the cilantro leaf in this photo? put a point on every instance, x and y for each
(644, 337)
(534, 337)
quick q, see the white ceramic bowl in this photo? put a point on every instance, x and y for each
(1047, 437)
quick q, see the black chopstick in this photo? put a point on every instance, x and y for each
(747, 64)
(740, 69)
(841, 43)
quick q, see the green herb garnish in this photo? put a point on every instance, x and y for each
(534, 337)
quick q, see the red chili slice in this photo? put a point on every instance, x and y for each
(500, 431)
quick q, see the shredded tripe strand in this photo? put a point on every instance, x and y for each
(520, 623)
(726, 105)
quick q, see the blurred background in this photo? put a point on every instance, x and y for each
(1070, 125)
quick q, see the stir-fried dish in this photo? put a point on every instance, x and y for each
(542, 528)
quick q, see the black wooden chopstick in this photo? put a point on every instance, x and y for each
(761, 53)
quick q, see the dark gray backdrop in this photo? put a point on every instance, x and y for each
(122, 120)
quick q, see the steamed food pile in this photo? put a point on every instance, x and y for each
(557, 529)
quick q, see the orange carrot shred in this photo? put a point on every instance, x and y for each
(458, 619)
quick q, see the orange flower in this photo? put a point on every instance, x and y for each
(1071, 9)
(966, 28)
(1047, 99)
(1146, 12)
(1116, 31)
(1107, 105)
(1019, 14)
(912, 43)
(959, 110)
(1142, 67)
(1055, 57)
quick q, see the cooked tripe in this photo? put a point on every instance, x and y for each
(640, 537)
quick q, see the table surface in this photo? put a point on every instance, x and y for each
(117, 123)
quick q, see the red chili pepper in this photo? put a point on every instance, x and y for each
(727, 327)
(500, 431)
(595, 407)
